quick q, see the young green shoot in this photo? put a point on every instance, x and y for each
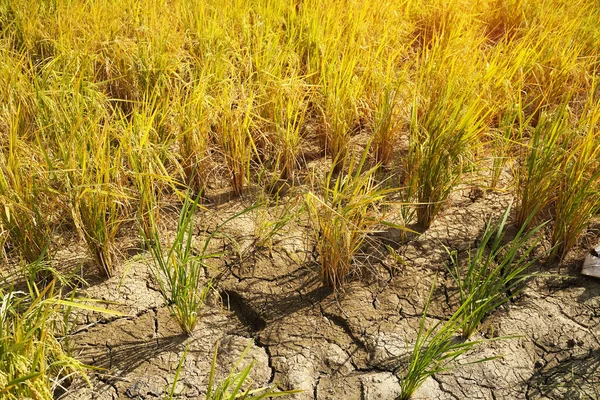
(436, 349)
(179, 271)
(494, 272)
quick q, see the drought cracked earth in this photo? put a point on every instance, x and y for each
(347, 345)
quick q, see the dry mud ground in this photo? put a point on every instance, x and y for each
(347, 345)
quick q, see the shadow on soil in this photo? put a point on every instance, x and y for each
(574, 378)
(127, 356)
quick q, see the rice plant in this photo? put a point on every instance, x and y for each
(273, 217)
(341, 89)
(536, 179)
(578, 187)
(503, 20)
(194, 139)
(238, 384)
(502, 141)
(559, 176)
(233, 130)
(99, 204)
(148, 170)
(289, 116)
(447, 119)
(436, 349)
(494, 273)
(33, 361)
(387, 124)
(342, 215)
(112, 110)
(179, 271)
(25, 195)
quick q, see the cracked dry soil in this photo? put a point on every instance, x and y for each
(349, 345)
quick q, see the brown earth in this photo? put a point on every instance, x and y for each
(347, 345)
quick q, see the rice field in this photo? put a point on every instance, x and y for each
(176, 147)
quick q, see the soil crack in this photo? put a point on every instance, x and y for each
(343, 323)
(245, 313)
(262, 345)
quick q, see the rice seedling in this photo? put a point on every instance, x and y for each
(180, 268)
(274, 216)
(238, 384)
(342, 216)
(171, 395)
(179, 271)
(494, 273)
(436, 349)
